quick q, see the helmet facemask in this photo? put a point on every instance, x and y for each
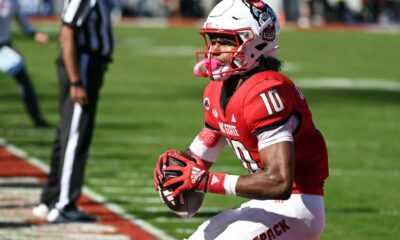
(214, 69)
(255, 28)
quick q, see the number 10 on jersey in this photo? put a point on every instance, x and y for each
(272, 101)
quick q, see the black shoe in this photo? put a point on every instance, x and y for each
(57, 216)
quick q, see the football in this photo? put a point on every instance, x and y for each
(188, 202)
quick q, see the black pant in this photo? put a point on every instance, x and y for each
(28, 96)
(73, 135)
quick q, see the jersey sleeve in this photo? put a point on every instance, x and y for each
(22, 20)
(75, 12)
(267, 106)
(208, 144)
(209, 120)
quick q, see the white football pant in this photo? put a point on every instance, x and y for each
(301, 217)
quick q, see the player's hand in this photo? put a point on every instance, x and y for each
(158, 174)
(193, 174)
(79, 95)
(41, 38)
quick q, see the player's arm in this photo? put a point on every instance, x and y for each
(73, 17)
(68, 48)
(28, 28)
(207, 145)
(22, 21)
(276, 180)
(271, 116)
(273, 182)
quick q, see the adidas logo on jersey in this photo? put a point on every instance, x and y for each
(214, 180)
(233, 118)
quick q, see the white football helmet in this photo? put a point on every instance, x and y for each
(255, 27)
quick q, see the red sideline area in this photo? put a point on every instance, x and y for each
(14, 166)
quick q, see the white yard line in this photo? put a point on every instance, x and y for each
(347, 83)
(93, 195)
(364, 172)
(178, 220)
(162, 209)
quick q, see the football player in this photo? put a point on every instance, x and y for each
(265, 119)
(11, 61)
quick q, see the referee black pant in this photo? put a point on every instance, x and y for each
(73, 136)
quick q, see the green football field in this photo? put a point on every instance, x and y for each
(151, 102)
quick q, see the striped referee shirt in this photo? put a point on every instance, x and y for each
(91, 19)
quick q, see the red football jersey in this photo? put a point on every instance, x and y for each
(263, 101)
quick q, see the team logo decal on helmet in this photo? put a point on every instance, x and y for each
(264, 15)
(269, 33)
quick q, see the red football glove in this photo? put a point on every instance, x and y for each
(192, 175)
(158, 174)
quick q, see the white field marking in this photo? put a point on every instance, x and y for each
(93, 195)
(152, 23)
(137, 42)
(379, 212)
(145, 22)
(290, 67)
(393, 213)
(185, 230)
(384, 212)
(364, 172)
(388, 29)
(159, 22)
(19, 179)
(347, 83)
(110, 182)
(138, 139)
(121, 212)
(349, 144)
(165, 51)
(144, 139)
(165, 209)
(146, 200)
(131, 174)
(147, 190)
(128, 175)
(179, 220)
